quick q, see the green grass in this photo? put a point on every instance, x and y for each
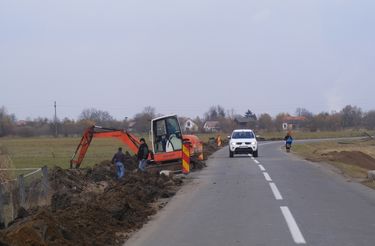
(37, 152)
(40, 151)
(49, 151)
(315, 135)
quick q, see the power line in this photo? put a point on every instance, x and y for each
(55, 120)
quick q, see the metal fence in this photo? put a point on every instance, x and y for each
(26, 191)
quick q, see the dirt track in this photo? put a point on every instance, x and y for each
(91, 207)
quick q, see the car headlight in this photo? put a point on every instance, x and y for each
(233, 143)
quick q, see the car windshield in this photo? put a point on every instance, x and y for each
(244, 134)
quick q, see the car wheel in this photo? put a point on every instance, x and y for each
(230, 154)
(255, 153)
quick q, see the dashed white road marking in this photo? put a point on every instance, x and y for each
(267, 177)
(293, 227)
(276, 191)
(257, 162)
(261, 168)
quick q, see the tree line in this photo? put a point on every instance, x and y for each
(350, 117)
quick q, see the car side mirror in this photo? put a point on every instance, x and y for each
(229, 137)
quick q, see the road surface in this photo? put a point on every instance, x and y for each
(276, 199)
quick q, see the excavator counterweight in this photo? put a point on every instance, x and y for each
(166, 139)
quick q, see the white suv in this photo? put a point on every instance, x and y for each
(243, 141)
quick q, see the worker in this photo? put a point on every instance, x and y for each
(288, 136)
(119, 159)
(142, 155)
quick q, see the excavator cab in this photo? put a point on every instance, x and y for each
(166, 140)
(166, 134)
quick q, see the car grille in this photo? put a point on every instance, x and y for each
(247, 143)
(238, 143)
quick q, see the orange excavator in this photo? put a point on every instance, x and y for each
(166, 138)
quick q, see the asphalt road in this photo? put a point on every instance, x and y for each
(276, 199)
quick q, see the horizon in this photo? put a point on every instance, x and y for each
(182, 57)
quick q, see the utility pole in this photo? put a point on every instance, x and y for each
(55, 121)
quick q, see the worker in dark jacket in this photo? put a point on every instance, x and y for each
(119, 160)
(142, 155)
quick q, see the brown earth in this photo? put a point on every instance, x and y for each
(90, 206)
(355, 158)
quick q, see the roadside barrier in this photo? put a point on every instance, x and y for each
(186, 158)
(218, 141)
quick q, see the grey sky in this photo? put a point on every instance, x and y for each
(182, 56)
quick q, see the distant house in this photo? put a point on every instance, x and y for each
(131, 125)
(21, 123)
(293, 122)
(189, 125)
(244, 122)
(211, 126)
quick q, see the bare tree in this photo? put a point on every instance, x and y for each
(369, 120)
(7, 122)
(250, 114)
(215, 113)
(304, 112)
(143, 119)
(265, 122)
(351, 116)
(97, 116)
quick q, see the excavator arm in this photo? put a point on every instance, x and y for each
(100, 132)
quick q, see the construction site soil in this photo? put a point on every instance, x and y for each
(90, 206)
(355, 158)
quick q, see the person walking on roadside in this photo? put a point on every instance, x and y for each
(142, 155)
(119, 159)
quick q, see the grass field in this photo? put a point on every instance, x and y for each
(318, 152)
(49, 151)
(315, 135)
(37, 152)
(40, 151)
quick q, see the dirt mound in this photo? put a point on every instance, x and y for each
(356, 158)
(89, 206)
(85, 211)
(209, 149)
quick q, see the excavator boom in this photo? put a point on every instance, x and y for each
(100, 132)
(166, 141)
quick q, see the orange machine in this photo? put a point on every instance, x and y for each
(166, 139)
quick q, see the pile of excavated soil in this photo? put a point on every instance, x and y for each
(209, 149)
(355, 158)
(89, 206)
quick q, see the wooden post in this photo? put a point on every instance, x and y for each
(45, 184)
(2, 219)
(21, 188)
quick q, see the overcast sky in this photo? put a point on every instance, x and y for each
(182, 56)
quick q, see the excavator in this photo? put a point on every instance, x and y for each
(165, 136)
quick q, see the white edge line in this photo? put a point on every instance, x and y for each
(267, 176)
(261, 168)
(292, 225)
(276, 192)
(18, 169)
(29, 174)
